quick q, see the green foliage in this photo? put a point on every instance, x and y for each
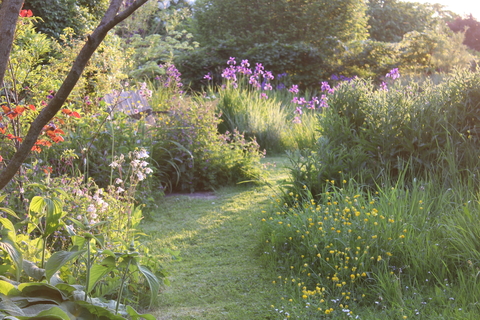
(390, 20)
(57, 15)
(42, 301)
(368, 132)
(287, 21)
(376, 254)
(160, 44)
(279, 35)
(471, 27)
(207, 159)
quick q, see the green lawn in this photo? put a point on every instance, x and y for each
(220, 274)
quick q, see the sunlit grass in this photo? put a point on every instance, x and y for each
(400, 252)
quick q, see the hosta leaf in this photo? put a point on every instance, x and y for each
(8, 289)
(52, 313)
(10, 307)
(97, 312)
(32, 270)
(41, 291)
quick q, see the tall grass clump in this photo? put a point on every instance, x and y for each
(371, 131)
(249, 101)
(402, 251)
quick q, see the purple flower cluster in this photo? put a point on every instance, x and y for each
(394, 74)
(172, 76)
(335, 77)
(383, 86)
(258, 78)
(326, 87)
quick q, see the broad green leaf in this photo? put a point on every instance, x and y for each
(37, 204)
(53, 215)
(33, 271)
(7, 289)
(98, 271)
(7, 210)
(10, 307)
(9, 228)
(14, 253)
(136, 316)
(52, 313)
(41, 291)
(153, 282)
(108, 253)
(58, 260)
(78, 241)
(98, 312)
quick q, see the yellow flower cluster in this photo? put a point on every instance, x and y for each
(334, 244)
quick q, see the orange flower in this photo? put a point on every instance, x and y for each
(36, 149)
(26, 13)
(19, 109)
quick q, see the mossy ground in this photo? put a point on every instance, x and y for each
(220, 274)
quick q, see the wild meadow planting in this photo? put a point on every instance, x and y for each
(378, 219)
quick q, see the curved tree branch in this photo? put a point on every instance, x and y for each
(110, 20)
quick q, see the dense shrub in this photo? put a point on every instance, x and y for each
(207, 159)
(371, 131)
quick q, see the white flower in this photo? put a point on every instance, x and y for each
(120, 190)
(135, 163)
(140, 176)
(142, 154)
(104, 207)
(118, 181)
(144, 163)
(91, 209)
(148, 170)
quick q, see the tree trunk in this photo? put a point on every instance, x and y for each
(9, 11)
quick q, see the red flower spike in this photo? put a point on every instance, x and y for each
(5, 109)
(1, 158)
(32, 107)
(2, 130)
(67, 111)
(76, 114)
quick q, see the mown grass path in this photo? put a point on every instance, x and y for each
(220, 274)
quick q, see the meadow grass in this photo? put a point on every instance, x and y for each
(218, 273)
(407, 250)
